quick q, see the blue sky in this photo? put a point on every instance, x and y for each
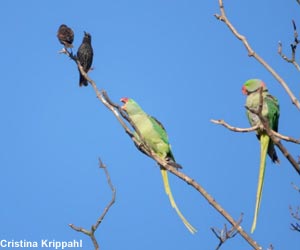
(182, 66)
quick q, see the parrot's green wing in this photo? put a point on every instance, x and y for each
(158, 126)
(273, 119)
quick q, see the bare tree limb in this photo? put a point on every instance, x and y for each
(94, 227)
(222, 17)
(293, 48)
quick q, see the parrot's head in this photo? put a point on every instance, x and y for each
(130, 106)
(253, 85)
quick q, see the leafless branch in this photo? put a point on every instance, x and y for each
(91, 232)
(295, 227)
(296, 215)
(293, 48)
(285, 138)
(232, 128)
(225, 234)
(222, 17)
(254, 128)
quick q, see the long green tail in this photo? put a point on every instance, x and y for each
(264, 142)
(164, 174)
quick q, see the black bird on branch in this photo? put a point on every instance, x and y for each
(85, 57)
(65, 35)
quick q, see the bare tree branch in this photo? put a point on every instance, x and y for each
(91, 232)
(225, 234)
(254, 128)
(235, 129)
(295, 213)
(293, 48)
(222, 17)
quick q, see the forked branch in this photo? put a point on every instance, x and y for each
(225, 234)
(94, 227)
(294, 45)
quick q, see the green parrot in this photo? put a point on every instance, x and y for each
(270, 111)
(156, 138)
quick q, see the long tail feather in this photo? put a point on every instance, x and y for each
(264, 142)
(164, 174)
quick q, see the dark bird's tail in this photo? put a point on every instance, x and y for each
(82, 81)
(272, 153)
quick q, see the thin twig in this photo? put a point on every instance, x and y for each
(94, 227)
(222, 17)
(254, 128)
(235, 129)
(113, 198)
(295, 213)
(285, 138)
(225, 234)
(293, 48)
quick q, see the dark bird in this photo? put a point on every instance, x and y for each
(65, 35)
(85, 56)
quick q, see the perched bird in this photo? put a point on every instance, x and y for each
(65, 35)
(155, 137)
(85, 57)
(270, 111)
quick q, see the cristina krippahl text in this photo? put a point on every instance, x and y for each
(41, 244)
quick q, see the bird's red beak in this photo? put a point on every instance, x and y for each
(124, 100)
(244, 90)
